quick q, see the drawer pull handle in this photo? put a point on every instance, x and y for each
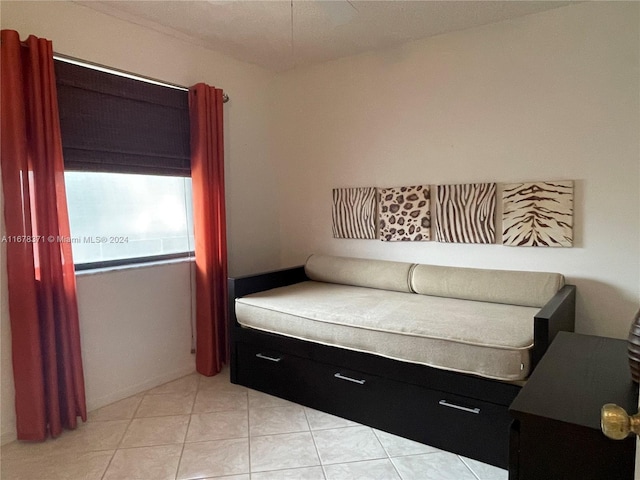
(349, 379)
(266, 357)
(444, 403)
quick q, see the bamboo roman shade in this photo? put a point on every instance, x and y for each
(111, 123)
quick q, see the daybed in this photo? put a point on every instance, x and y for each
(432, 353)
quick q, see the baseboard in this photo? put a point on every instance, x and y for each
(7, 437)
(95, 403)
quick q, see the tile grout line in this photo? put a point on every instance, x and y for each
(381, 443)
(395, 467)
(108, 464)
(122, 438)
(184, 441)
(469, 467)
(249, 434)
(388, 454)
(315, 445)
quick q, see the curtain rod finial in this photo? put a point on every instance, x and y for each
(225, 98)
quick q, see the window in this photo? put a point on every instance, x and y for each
(118, 218)
(127, 166)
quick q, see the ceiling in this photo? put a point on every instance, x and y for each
(284, 34)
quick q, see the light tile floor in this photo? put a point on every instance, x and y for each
(205, 427)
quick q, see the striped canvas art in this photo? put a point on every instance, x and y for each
(538, 214)
(405, 214)
(465, 213)
(354, 213)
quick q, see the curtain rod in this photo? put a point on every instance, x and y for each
(77, 61)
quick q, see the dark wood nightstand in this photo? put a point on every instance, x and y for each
(556, 432)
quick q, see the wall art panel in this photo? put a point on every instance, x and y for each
(354, 212)
(465, 213)
(538, 214)
(404, 214)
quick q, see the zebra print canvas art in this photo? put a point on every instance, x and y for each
(538, 214)
(404, 214)
(465, 213)
(354, 212)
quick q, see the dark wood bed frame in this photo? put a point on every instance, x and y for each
(464, 414)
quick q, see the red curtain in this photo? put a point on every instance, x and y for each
(207, 175)
(45, 335)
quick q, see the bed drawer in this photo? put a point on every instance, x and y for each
(344, 392)
(455, 423)
(483, 426)
(272, 372)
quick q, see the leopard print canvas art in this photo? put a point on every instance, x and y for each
(405, 214)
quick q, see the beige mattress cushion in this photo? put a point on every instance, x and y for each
(486, 339)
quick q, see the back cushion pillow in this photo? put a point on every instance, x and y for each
(529, 289)
(359, 272)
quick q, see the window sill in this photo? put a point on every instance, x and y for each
(132, 266)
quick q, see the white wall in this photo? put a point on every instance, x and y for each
(549, 96)
(135, 329)
(135, 323)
